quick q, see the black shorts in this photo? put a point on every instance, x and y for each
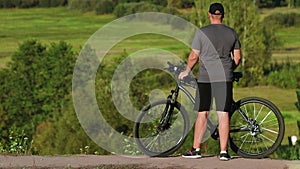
(221, 91)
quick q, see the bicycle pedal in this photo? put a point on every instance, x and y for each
(215, 135)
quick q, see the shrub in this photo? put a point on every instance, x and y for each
(284, 75)
(104, 7)
(131, 8)
(33, 86)
(6, 4)
(28, 3)
(282, 19)
(84, 6)
(52, 3)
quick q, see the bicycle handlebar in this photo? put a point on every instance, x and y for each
(177, 69)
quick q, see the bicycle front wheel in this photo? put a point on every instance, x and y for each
(261, 134)
(161, 128)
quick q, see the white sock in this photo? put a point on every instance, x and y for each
(197, 149)
(223, 152)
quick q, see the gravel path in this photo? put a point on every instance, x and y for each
(124, 162)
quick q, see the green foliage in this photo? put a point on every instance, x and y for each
(129, 149)
(18, 143)
(158, 2)
(104, 7)
(174, 3)
(297, 104)
(99, 6)
(288, 152)
(31, 3)
(33, 85)
(282, 19)
(52, 3)
(293, 3)
(63, 135)
(282, 75)
(84, 6)
(270, 3)
(132, 8)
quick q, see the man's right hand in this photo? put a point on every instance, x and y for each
(183, 74)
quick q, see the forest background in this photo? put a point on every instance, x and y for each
(41, 39)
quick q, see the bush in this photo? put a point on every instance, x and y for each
(158, 2)
(282, 19)
(284, 75)
(18, 3)
(32, 3)
(6, 4)
(52, 3)
(33, 86)
(84, 6)
(104, 7)
(26, 3)
(131, 8)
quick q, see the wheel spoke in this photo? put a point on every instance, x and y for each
(267, 138)
(269, 130)
(261, 108)
(246, 135)
(272, 120)
(254, 111)
(266, 117)
(246, 110)
(149, 146)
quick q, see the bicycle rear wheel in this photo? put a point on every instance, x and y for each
(157, 137)
(261, 134)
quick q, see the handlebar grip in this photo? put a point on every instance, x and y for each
(170, 64)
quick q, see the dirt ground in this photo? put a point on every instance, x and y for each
(125, 162)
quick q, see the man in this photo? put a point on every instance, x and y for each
(218, 48)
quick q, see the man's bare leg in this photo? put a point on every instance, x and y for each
(200, 128)
(223, 129)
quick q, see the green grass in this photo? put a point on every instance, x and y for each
(268, 11)
(290, 48)
(290, 37)
(46, 25)
(62, 24)
(284, 99)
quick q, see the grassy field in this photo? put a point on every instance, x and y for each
(46, 25)
(55, 24)
(289, 36)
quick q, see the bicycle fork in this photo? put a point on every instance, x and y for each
(165, 121)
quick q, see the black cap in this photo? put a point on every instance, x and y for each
(216, 9)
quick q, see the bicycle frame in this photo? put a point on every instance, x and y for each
(175, 93)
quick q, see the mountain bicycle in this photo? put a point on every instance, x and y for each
(256, 124)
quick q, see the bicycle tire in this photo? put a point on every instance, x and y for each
(265, 138)
(166, 142)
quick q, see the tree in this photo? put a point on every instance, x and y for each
(34, 85)
(64, 135)
(254, 36)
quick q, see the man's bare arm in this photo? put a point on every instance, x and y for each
(237, 56)
(192, 60)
